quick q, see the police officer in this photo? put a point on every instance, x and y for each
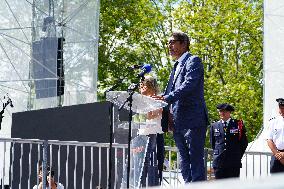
(229, 141)
(275, 139)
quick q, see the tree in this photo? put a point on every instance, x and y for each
(133, 32)
(226, 34)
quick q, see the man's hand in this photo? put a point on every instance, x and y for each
(155, 113)
(158, 98)
(279, 155)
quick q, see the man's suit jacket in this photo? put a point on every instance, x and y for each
(187, 95)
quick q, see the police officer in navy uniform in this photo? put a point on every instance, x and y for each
(229, 141)
(275, 139)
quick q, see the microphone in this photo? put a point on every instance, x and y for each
(146, 68)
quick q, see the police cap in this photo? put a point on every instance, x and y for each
(280, 101)
(226, 107)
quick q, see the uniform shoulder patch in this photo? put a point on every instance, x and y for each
(215, 121)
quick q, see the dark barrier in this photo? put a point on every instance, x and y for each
(84, 123)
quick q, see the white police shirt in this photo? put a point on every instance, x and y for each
(227, 122)
(276, 132)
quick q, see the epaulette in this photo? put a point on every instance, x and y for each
(215, 121)
(272, 118)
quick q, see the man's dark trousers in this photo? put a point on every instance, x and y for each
(232, 172)
(276, 166)
(190, 143)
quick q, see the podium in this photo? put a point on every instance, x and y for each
(141, 104)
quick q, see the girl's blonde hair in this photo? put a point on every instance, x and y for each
(151, 83)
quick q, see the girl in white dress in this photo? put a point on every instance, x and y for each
(153, 164)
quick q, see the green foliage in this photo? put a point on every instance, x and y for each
(228, 37)
(226, 34)
(131, 32)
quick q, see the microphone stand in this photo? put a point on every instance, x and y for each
(9, 101)
(111, 130)
(131, 90)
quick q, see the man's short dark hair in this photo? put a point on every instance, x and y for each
(182, 37)
(226, 107)
(280, 101)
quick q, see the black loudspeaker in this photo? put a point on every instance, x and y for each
(48, 70)
(60, 67)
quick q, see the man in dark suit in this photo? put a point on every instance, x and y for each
(229, 142)
(185, 96)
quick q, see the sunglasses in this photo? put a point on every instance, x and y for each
(172, 41)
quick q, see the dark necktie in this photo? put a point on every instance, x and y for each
(171, 80)
(225, 127)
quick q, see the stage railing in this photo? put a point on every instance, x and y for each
(255, 164)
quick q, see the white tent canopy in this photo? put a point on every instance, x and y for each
(24, 25)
